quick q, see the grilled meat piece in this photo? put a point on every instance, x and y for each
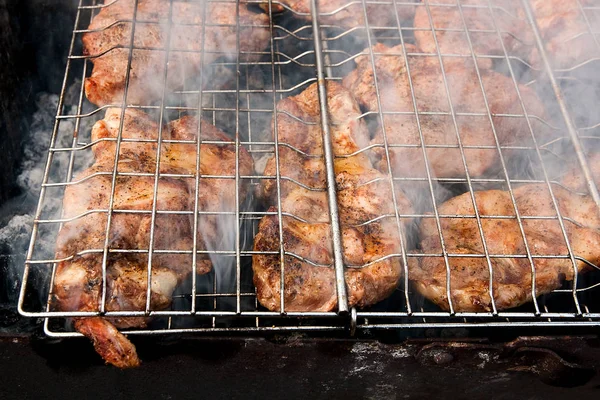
(512, 277)
(438, 129)
(349, 13)
(364, 194)
(301, 142)
(78, 282)
(565, 32)
(109, 342)
(562, 25)
(481, 20)
(109, 45)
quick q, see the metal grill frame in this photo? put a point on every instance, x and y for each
(323, 51)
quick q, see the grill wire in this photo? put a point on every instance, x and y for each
(299, 54)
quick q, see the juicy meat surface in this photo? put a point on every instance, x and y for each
(364, 194)
(436, 123)
(349, 13)
(109, 45)
(512, 277)
(78, 282)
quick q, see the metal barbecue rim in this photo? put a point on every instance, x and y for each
(205, 311)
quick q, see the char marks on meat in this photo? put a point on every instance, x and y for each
(363, 195)
(109, 45)
(78, 282)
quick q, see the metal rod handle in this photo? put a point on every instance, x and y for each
(338, 258)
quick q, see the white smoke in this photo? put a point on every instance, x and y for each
(15, 233)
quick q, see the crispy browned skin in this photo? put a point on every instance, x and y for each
(78, 281)
(344, 13)
(439, 130)
(363, 195)
(109, 46)
(469, 277)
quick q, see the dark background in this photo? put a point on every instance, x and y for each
(34, 40)
(296, 368)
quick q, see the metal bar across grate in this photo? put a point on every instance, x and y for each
(240, 97)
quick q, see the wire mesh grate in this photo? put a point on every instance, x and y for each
(239, 95)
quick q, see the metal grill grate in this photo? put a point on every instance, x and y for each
(299, 54)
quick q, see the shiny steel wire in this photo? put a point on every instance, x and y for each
(336, 232)
(324, 58)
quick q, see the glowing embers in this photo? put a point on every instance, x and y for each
(142, 223)
(370, 233)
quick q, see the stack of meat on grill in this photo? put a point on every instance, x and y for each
(146, 172)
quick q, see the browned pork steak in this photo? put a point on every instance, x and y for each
(512, 277)
(436, 123)
(363, 195)
(78, 281)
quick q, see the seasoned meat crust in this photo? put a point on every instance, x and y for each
(110, 41)
(363, 195)
(402, 130)
(78, 281)
(512, 277)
